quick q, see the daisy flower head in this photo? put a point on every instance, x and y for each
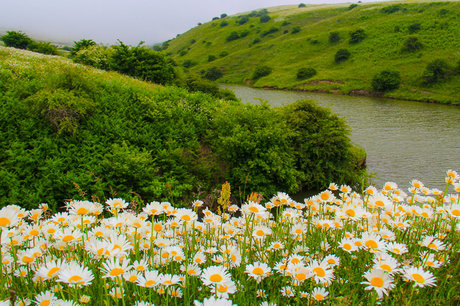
(420, 277)
(258, 271)
(253, 208)
(224, 289)
(215, 275)
(45, 298)
(378, 280)
(322, 272)
(212, 301)
(116, 204)
(150, 279)
(114, 268)
(8, 217)
(287, 291)
(75, 273)
(319, 294)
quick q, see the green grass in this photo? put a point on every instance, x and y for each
(287, 52)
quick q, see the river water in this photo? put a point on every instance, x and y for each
(404, 140)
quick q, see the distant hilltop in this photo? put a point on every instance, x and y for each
(405, 50)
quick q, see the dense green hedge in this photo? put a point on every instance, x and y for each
(67, 128)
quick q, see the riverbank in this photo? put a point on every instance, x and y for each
(354, 92)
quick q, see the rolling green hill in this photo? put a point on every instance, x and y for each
(403, 37)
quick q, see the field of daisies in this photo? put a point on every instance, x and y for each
(376, 246)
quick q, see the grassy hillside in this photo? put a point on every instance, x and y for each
(300, 37)
(72, 131)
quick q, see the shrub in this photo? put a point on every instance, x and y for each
(243, 20)
(211, 57)
(414, 28)
(215, 18)
(43, 47)
(436, 71)
(223, 54)
(81, 44)
(412, 44)
(17, 40)
(352, 6)
(96, 56)
(341, 55)
(224, 24)
(223, 15)
(256, 41)
(261, 71)
(305, 73)
(264, 18)
(391, 9)
(213, 73)
(295, 29)
(270, 31)
(386, 80)
(302, 5)
(334, 37)
(189, 63)
(244, 33)
(357, 36)
(233, 36)
(143, 63)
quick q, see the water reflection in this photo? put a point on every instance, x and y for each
(403, 139)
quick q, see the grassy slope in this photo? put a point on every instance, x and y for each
(285, 53)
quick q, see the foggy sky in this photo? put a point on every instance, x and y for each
(131, 21)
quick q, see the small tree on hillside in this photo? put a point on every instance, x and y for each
(16, 40)
(386, 80)
(436, 71)
(357, 36)
(80, 45)
(334, 37)
(261, 71)
(341, 55)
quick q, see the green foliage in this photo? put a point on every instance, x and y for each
(233, 36)
(270, 31)
(302, 5)
(415, 27)
(334, 37)
(43, 47)
(412, 44)
(243, 20)
(295, 30)
(357, 36)
(322, 150)
(264, 18)
(342, 55)
(213, 73)
(223, 15)
(189, 63)
(261, 71)
(223, 54)
(352, 6)
(16, 39)
(305, 73)
(391, 9)
(224, 24)
(436, 71)
(386, 80)
(81, 44)
(143, 63)
(211, 57)
(95, 55)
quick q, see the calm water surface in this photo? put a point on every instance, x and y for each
(404, 140)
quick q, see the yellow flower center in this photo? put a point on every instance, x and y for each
(75, 279)
(319, 297)
(116, 271)
(386, 267)
(418, 278)
(319, 271)
(377, 282)
(4, 222)
(371, 244)
(82, 211)
(301, 276)
(52, 271)
(216, 278)
(258, 271)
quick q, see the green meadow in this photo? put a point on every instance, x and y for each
(397, 36)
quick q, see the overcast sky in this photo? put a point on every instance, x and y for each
(131, 21)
